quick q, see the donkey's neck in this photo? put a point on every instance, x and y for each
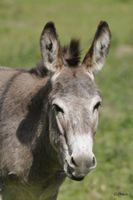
(45, 159)
(45, 173)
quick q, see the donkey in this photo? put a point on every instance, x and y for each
(49, 117)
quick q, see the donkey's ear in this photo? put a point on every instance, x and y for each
(50, 48)
(95, 57)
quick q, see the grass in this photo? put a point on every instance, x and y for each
(21, 22)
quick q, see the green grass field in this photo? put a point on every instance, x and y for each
(21, 22)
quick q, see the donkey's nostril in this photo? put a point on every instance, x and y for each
(73, 161)
(93, 161)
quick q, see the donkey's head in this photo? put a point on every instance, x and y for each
(74, 99)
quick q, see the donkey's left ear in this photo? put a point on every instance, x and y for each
(96, 56)
(50, 48)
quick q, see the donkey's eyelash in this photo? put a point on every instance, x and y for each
(57, 108)
(98, 104)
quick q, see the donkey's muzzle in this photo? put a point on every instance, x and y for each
(89, 162)
(78, 167)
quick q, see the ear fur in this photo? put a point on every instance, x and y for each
(50, 48)
(96, 56)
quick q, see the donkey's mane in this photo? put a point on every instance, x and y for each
(71, 58)
(39, 70)
(71, 53)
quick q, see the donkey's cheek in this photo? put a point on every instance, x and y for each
(95, 121)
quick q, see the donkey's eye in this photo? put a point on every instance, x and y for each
(57, 108)
(98, 104)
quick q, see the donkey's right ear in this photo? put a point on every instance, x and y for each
(50, 48)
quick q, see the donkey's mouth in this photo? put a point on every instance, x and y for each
(73, 177)
(80, 178)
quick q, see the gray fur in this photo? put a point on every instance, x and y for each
(47, 124)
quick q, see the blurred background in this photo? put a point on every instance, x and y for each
(21, 22)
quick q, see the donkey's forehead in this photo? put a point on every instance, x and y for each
(74, 81)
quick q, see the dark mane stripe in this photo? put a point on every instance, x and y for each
(40, 70)
(71, 53)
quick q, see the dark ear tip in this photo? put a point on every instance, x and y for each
(50, 27)
(103, 25)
